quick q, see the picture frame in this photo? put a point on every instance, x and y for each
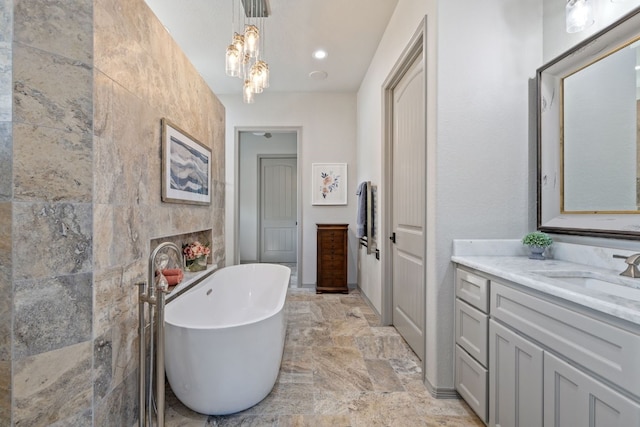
(186, 167)
(329, 184)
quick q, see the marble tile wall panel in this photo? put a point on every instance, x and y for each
(51, 313)
(6, 21)
(63, 27)
(6, 161)
(51, 90)
(6, 39)
(5, 311)
(54, 387)
(54, 239)
(52, 165)
(5, 80)
(121, 39)
(119, 408)
(116, 295)
(140, 76)
(102, 366)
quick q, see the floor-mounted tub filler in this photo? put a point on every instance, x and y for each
(224, 338)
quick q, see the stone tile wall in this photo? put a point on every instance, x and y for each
(83, 87)
(140, 77)
(52, 211)
(6, 194)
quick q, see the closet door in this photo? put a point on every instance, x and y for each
(408, 211)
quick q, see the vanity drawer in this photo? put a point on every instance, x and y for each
(604, 349)
(471, 383)
(472, 331)
(473, 289)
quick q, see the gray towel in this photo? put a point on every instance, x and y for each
(361, 220)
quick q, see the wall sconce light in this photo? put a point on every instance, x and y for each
(579, 15)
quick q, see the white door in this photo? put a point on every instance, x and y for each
(408, 206)
(278, 209)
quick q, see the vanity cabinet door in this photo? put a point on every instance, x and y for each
(471, 382)
(572, 398)
(515, 379)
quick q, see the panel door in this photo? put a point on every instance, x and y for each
(515, 379)
(408, 201)
(572, 398)
(278, 210)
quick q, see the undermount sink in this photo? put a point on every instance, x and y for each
(613, 285)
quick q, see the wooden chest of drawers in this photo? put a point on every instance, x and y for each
(332, 258)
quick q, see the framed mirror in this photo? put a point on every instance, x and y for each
(589, 135)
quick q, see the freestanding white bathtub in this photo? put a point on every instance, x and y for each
(225, 337)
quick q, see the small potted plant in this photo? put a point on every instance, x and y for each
(537, 242)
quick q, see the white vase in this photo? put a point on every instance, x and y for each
(537, 252)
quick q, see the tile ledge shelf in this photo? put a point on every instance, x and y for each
(190, 279)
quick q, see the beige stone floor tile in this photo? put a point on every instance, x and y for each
(383, 376)
(375, 409)
(314, 421)
(243, 420)
(339, 369)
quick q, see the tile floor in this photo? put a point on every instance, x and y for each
(339, 368)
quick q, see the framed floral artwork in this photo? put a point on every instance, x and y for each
(186, 167)
(329, 184)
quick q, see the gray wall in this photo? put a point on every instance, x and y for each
(480, 57)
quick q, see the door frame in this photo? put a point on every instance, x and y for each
(259, 215)
(414, 49)
(236, 198)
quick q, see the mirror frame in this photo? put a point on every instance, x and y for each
(549, 129)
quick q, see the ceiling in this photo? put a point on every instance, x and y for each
(349, 30)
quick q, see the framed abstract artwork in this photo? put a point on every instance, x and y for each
(186, 167)
(329, 184)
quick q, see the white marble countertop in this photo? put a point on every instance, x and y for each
(522, 270)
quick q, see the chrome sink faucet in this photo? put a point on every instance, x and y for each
(632, 268)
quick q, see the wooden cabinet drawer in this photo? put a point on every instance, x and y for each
(604, 349)
(332, 262)
(473, 289)
(471, 382)
(472, 331)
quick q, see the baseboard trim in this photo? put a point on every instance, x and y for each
(441, 393)
(366, 300)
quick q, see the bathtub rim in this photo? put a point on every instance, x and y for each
(197, 284)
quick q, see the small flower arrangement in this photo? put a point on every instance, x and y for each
(537, 238)
(195, 255)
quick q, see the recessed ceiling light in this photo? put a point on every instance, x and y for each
(320, 54)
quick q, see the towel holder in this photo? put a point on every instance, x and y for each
(368, 240)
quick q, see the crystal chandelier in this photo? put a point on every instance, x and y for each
(578, 15)
(244, 54)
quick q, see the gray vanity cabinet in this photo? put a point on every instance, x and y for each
(471, 351)
(573, 398)
(529, 359)
(571, 394)
(515, 383)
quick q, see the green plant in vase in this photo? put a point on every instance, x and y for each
(537, 242)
